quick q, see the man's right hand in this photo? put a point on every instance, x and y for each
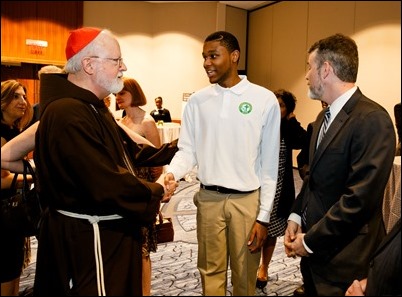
(169, 184)
(290, 235)
(357, 288)
(169, 177)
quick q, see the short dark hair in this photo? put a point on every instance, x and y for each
(288, 98)
(341, 52)
(226, 39)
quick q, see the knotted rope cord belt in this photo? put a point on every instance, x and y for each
(97, 243)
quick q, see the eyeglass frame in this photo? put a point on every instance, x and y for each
(119, 61)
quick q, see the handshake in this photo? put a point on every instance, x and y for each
(169, 185)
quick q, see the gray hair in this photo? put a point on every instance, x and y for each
(49, 69)
(341, 52)
(94, 48)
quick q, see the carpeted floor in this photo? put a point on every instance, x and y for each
(174, 265)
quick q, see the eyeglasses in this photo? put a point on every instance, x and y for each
(119, 61)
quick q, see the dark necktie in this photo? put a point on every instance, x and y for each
(327, 116)
(303, 216)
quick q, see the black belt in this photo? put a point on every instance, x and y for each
(224, 190)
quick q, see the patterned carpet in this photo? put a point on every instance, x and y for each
(174, 265)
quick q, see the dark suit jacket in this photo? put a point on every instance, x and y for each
(344, 190)
(397, 114)
(161, 115)
(384, 277)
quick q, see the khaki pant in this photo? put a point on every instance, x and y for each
(224, 224)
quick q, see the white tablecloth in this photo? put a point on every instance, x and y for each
(168, 132)
(391, 207)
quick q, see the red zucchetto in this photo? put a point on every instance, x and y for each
(79, 39)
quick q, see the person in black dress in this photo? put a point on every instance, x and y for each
(16, 113)
(292, 137)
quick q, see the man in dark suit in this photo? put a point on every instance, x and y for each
(384, 273)
(160, 113)
(397, 114)
(336, 221)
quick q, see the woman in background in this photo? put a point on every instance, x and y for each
(16, 114)
(292, 137)
(130, 98)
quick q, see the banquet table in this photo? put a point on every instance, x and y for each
(391, 207)
(168, 131)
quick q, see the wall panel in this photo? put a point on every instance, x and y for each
(259, 52)
(288, 50)
(236, 23)
(45, 24)
(375, 25)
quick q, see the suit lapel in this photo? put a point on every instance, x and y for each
(314, 136)
(333, 129)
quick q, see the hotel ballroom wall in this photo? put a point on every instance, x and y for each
(162, 44)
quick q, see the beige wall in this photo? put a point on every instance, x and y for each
(280, 35)
(236, 23)
(162, 42)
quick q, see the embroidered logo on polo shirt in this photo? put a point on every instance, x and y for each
(245, 108)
